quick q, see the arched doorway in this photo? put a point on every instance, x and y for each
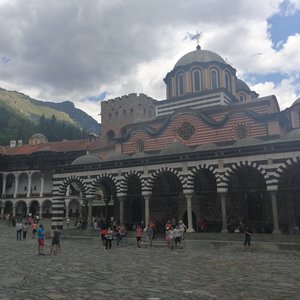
(8, 208)
(21, 210)
(206, 203)
(34, 208)
(289, 199)
(46, 209)
(248, 201)
(166, 203)
(133, 205)
(105, 187)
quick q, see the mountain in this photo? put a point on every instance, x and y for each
(17, 109)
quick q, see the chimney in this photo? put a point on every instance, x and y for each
(12, 143)
(20, 143)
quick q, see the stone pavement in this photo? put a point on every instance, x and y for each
(85, 270)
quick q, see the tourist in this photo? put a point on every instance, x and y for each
(34, 227)
(150, 233)
(123, 234)
(248, 233)
(168, 225)
(182, 228)
(25, 228)
(19, 228)
(103, 234)
(138, 235)
(108, 237)
(177, 236)
(171, 238)
(41, 239)
(55, 245)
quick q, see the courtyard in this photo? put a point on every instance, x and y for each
(86, 270)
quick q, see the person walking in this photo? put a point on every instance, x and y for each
(19, 228)
(182, 228)
(108, 238)
(138, 235)
(55, 244)
(25, 228)
(248, 233)
(41, 239)
(150, 234)
(34, 227)
(177, 237)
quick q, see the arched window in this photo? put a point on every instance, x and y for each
(214, 79)
(110, 134)
(197, 84)
(242, 97)
(140, 146)
(180, 84)
(227, 81)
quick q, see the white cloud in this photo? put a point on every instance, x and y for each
(285, 91)
(69, 50)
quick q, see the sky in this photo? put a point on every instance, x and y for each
(86, 51)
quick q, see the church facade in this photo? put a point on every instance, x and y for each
(212, 151)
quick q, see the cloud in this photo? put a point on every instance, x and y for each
(71, 49)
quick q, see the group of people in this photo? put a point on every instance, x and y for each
(119, 232)
(174, 235)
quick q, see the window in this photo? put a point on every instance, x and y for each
(110, 134)
(197, 86)
(214, 79)
(140, 146)
(242, 97)
(180, 84)
(227, 82)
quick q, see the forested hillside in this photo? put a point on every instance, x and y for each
(22, 116)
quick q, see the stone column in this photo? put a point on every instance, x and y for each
(28, 209)
(16, 184)
(29, 185)
(4, 177)
(80, 210)
(90, 211)
(67, 209)
(121, 198)
(147, 199)
(2, 211)
(275, 212)
(42, 185)
(189, 212)
(224, 214)
(41, 211)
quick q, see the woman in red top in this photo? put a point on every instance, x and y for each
(138, 234)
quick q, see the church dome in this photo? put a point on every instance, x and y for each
(201, 56)
(86, 159)
(118, 156)
(242, 86)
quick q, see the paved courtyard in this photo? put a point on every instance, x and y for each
(85, 270)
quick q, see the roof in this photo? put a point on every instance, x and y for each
(199, 56)
(86, 159)
(62, 146)
(297, 101)
(242, 86)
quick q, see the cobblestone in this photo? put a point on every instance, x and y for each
(86, 270)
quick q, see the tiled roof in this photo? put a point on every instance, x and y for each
(64, 146)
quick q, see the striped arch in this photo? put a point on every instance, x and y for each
(58, 204)
(157, 173)
(63, 187)
(224, 180)
(195, 170)
(98, 182)
(274, 180)
(127, 176)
